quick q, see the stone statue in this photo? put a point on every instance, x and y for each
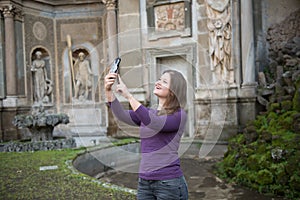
(42, 85)
(83, 75)
(219, 26)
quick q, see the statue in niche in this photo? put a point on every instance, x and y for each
(42, 85)
(219, 26)
(83, 77)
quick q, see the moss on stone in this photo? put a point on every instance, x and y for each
(296, 99)
(274, 107)
(286, 105)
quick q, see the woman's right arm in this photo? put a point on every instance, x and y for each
(109, 80)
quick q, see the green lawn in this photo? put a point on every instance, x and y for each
(21, 178)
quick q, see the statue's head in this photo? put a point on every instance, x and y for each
(38, 54)
(81, 56)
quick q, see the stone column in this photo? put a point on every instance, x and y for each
(247, 93)
(247, 33)
(111, 29)
(10, 50)
(112, 50)
(10, 102)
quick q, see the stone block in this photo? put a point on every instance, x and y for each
(129, 6)
(86, 121)
(129, 41)
(132, 77)
(203, 41)
(129, 22)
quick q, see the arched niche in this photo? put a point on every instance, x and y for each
(91, 54)
(45, 55)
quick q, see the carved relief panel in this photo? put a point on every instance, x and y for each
(168, 19)
(220, 31)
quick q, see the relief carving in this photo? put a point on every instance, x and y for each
(219, 26)
(39, 30)
(170, 17)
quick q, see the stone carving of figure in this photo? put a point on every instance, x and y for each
(42, 85)
(83, 74)
(219, 26)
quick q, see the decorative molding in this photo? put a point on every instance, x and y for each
(39, 30)
(110, 4)
(8, 10)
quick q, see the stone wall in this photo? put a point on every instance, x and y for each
(278, 80)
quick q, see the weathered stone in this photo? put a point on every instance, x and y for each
(40, 124)
(38, 145)
(292, 62)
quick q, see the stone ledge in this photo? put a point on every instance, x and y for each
(38, 146)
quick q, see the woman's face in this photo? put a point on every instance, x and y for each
(162, 86)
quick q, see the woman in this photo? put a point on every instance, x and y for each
(160, 175)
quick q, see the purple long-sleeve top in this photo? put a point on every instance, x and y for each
(160, 138)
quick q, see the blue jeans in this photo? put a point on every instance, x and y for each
(172, 189)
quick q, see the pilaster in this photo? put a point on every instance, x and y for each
(10, 49)
(111, 29)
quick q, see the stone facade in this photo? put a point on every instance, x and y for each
(219, 46)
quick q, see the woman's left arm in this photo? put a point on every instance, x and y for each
(164, 123)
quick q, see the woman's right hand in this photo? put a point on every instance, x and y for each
(109, 80)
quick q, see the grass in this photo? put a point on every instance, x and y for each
(21, 178)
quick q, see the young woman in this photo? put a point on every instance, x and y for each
(160, 175)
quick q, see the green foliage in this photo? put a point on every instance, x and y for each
(265, 177)
(296, 99)
(271, 163)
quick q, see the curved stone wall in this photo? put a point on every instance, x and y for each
(98, 161)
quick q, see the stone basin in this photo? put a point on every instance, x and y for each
(99, 161)
(125, 158)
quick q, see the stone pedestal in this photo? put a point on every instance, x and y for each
(87, 123)
(247, 104)
(216, 113)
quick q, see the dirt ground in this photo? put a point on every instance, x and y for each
(202, 182)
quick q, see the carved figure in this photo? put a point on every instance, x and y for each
(219, 26)
(83, 74)
(42, 85)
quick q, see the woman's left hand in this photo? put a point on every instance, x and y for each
(122, 89)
